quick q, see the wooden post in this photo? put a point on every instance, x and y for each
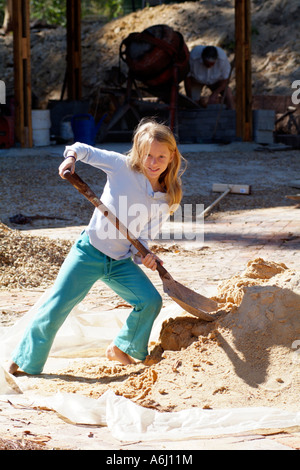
(243, 69)
(22, 72)
(74, 49)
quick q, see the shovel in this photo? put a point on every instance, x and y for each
(192, 302)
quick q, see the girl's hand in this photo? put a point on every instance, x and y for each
(67, 164)
(150, 261)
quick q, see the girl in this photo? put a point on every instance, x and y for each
(147, 184)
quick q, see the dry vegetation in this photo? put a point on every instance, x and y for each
(27, 261)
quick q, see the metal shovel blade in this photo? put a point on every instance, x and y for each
(191, 301)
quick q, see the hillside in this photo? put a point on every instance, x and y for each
(275, 45)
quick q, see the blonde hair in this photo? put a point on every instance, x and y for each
(146, 132)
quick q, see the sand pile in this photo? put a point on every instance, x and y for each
(247, 357)
(266, 298)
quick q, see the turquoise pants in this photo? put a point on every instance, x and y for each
(84, 266)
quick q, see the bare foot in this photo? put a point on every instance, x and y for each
(13, 367)
(113, 353)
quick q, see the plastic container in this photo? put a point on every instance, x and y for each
(41, 124)
(66, 132)
(85, 129)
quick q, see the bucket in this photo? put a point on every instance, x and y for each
(41, 124)
(66, 132)
(85, 128)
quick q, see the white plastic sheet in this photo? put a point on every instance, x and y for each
(82, 332)
(128, 421)
(8, 383)
(86, 331)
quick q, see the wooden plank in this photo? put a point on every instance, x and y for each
(243, 69)
(18, 72)
(22, 72)
(239, 66)
(74, 80)
(234, 188)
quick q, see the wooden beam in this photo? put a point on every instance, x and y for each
(243, 69)
(22, 72)
(74, 49)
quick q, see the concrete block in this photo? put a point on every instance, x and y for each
(200, 124)
(263, 136)
(263, 119)
(226, 125)
(216, 107)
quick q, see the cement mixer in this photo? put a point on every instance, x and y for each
(154, 54)
(159, 58)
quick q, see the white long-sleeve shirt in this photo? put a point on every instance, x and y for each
(129, 195)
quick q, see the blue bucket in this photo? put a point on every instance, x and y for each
(84, 128)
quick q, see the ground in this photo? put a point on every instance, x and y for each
(211, 366)
(225, 363)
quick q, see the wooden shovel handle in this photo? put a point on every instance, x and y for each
(89, 194)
